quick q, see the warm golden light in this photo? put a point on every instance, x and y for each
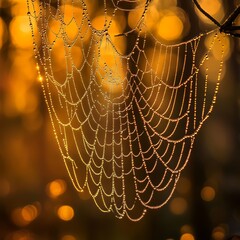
(152, 17)
(155, 12)
(178, 205)
(25, 103)
(164, 20)
(213, 8)
(114, 29)
(21, 33)
(29, 213)
(164, 4)
(68, 237)
(208, 193)
(170, 27)
(19, 7)
(160, 63)
(65, 212)
(61, 54)
(24, 216)
(21, 235)
(21, 97)
(78, 48)
(54, 30)
(56, 188)
(77, 56)
(220, 51)
(40, 78)
(187, 236)
(160, 66)
(222, 40)
(72, 16)
(218, 233)
(114, 26)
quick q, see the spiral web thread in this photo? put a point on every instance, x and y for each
(125, 122)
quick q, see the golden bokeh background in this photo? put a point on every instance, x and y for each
(37, 200)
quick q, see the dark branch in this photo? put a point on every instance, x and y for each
(227, 27)
(206, 14)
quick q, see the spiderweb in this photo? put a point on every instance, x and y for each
(125, 107)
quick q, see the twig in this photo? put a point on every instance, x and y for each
(206, 14)
(227, 27)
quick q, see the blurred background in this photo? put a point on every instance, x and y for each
(37, 199)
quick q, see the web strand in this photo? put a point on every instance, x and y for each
(125, 118)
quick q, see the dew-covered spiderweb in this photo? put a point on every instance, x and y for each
(125, 107)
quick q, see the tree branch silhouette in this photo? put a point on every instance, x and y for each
(227, 27)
